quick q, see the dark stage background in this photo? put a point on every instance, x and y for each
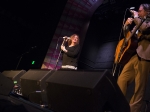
(27, 28)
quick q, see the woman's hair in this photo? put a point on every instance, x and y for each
(72, 37)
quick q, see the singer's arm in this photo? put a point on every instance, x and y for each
(126, 26)
(144, 28)
(73, 51)
(137, 20)
(144, 25)
(64, 43)
(63, 48)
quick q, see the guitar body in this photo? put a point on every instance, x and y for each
(125, 51)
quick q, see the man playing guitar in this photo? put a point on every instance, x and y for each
(138, 67)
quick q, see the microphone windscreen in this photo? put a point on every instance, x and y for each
(65, 37)
(131, 8)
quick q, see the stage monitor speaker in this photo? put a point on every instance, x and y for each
(33, 85)
(85, 91)
(6, 85)
(14, 75)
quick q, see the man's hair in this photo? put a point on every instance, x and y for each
(146, 7)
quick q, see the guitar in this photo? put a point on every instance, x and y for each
(126, 47)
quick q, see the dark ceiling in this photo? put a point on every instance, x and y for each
(27, 27)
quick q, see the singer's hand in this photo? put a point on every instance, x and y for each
(135, 13)
(66, 39)
(128, 21)
(63, 48)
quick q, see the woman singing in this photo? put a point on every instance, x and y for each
(70, 48)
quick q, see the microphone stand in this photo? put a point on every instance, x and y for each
(115, 65)
(21, 56)
(59, 53)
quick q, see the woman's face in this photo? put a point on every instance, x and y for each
(75, 39)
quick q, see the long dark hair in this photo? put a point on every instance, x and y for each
(71, 37)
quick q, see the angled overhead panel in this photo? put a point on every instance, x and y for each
(75, 19)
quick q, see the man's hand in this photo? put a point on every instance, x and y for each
(128, 21)
(135, 13)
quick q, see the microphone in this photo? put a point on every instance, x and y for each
(65, 37)
(131, 8)
(131, 11)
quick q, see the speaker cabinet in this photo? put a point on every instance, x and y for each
(14, 75)
(85, 91)
(6, 85)
(33, 85)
